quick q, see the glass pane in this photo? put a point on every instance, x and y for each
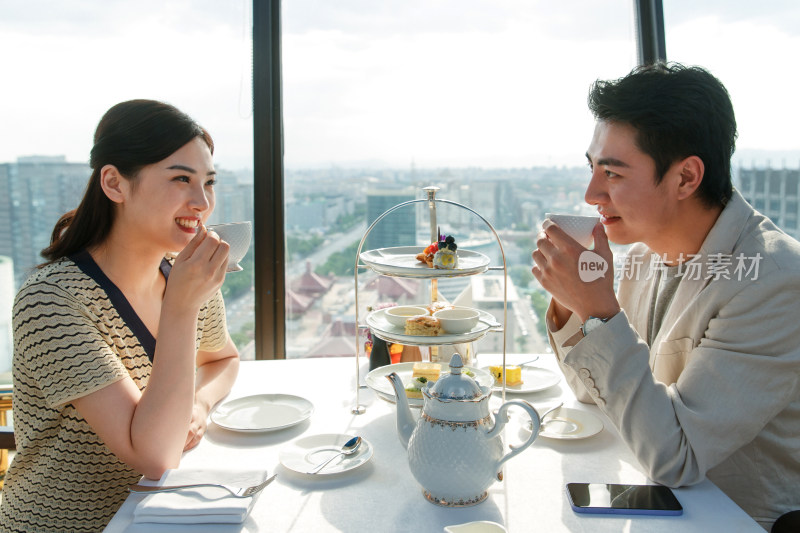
(484, 99)
(746, 45)
(69, 63)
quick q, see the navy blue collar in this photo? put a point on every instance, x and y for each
(87, 264)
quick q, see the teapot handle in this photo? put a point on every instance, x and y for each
(502, 418)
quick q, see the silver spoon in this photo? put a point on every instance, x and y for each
(348, 448)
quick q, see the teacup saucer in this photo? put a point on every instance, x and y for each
(306, 453)
(566, 423)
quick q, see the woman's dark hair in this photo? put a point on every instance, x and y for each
(678, 112)
(130, 136)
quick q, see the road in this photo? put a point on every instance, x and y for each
(332, 244)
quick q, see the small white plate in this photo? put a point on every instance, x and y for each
(262, 412)
(481, 526)
(387, 331)
(306, 453)
(376, 380)
(566, 423)
(534, 379)
(402, 261)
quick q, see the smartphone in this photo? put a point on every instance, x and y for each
(611, 498)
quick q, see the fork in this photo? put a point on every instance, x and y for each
(238, 492)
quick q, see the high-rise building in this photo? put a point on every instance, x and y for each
(36, 192)
(234, 199)
(6, 303)
(774, 192)
(399, 228)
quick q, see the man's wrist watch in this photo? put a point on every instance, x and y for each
(593, 323)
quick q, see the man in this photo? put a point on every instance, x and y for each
(696, 359)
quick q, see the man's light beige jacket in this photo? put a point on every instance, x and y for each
(718, 394)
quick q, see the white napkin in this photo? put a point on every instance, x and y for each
(203, 505)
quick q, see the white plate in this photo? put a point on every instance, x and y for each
(402, 261)
(389, 332)
(534, 379)
(566, 423)
(306, 453)
(262, 412)
(377, 381)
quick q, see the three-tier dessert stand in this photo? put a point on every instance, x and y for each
(382, 261)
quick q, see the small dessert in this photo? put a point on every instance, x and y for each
(414, 389)
(423, 325)
(446, 257)
(438, 306)
(513, 375)
(426, 256)
(429, 371)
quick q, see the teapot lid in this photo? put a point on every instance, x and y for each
(456, 386)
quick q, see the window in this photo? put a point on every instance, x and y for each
(66, 64)
(485, 100)
(744, 44)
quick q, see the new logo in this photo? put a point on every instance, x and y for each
(591, 266)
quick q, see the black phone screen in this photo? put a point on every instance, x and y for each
(616, 498)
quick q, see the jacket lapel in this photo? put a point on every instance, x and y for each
(718, 245)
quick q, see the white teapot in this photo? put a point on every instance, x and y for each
(454, 450)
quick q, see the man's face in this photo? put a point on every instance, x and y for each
(623, 187)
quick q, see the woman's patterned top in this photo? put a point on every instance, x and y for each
(75, 333)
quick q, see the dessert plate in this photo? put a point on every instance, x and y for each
(571, 424)
(389, 332)
(534, 379)
(376, 380)
(306, 453)
(402, 261)
(262, 412)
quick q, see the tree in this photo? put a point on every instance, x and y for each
(540, 301)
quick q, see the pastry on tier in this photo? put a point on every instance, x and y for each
(426, 326)
(446, 257)
(426, 256)
(438, 306)
(414, 389)
(440, 254)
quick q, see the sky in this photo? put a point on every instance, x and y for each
(390, 83)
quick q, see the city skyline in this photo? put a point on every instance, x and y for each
(384, 85)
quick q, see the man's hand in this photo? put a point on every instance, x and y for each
(557, 268)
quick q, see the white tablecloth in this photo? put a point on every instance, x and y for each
(383, 495)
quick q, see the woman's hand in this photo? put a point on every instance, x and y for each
(199, 270)
(197, 427)
(558, 269)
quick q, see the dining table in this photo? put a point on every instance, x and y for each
(382, 495)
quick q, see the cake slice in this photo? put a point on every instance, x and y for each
(513, 375)
(429, 371)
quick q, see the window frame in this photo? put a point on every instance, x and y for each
(268, 144)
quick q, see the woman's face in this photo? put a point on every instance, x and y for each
(172, 198)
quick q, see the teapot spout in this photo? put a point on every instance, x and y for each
(405, 422)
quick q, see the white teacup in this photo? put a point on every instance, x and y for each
(237, 235)
(579, 227)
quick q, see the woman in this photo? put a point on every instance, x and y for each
(97, 402)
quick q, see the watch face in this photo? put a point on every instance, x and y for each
(592, 323)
